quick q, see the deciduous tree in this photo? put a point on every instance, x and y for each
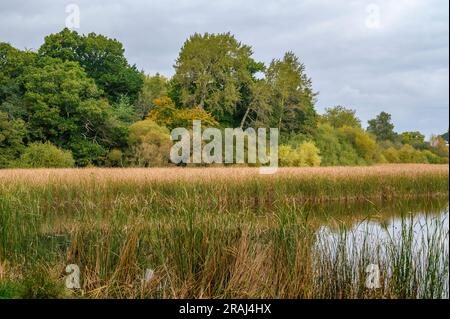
(292, 97)
(382, 127)
(212, 72)
(102, 58)
(340, 116)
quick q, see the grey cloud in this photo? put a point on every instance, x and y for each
(401, 68)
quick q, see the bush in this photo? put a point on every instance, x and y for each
(88, 153)
(408, 154)
(306, 154)
(149, 144)
(285, 157)
(309, 154)
(45, 155)
(433, 158)
(329, 144)
(115, 157)
(365, 146)
(391, 155)
(334, 147)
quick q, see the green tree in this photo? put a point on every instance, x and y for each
(12, 134)
(259, 110)
(340, 116)
(154, 87)
(309, 154)
(101, 57)
(327, 140)
(292, 97)
(13, 64)
(214, 72)
(65, 107)
(335, 147)
(124, 111)
(382, 127)
(416, 139)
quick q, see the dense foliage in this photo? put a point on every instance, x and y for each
(78, 101)
(40, 155)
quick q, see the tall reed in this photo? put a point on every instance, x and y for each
(237, 236)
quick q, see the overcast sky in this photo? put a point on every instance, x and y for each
(372, 56)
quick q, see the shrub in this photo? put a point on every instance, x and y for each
(115, 157)
(329, 144)
(306, 154)
(335, 149)
(45, 155)
(88, 153)
(285, 157)
(407, 154)
(391, 155)
(433, 158)
(363, 143)
(149, 144)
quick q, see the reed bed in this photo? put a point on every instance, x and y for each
(213, 232)
(225, 187)
(139, 175)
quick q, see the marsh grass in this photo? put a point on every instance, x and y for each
(217, 233)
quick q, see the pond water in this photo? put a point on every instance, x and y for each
(403, 245)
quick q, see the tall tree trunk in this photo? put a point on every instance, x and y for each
(244, 118)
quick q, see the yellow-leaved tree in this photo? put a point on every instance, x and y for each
(165, 113)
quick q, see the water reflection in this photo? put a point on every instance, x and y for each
(407, 240)
(346, 215)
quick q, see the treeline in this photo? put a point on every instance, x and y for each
(78, 102)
